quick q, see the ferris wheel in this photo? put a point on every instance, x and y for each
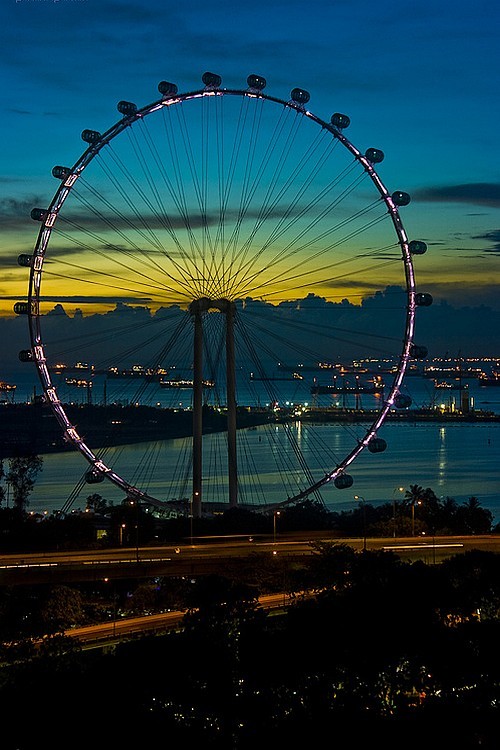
(232, 260)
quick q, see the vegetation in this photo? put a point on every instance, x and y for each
(418, 512)
(379, 651)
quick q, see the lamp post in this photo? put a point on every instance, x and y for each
(276, 513)
(122, 526)
(396, 489)
(415, 502)
(191, 516)
(136, 503)
(362, 501)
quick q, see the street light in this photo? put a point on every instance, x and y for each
(396, 489)
(362, 501)
(191, 516)
(136, 503)
(121, 533)
(276, 513)
(415, 502)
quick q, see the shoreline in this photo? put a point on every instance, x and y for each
(33, 428)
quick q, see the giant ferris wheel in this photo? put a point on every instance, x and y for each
(226, 248)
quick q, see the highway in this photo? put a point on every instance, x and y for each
(202, 557)
(95, 636)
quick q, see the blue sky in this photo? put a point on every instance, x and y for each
(418, 80)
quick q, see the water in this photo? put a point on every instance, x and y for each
(455, 460)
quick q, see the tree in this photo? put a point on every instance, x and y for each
(21, 476)
(63, 608)
(473, 519)
(97, 503)
(2, 489)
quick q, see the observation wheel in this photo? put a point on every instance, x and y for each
(216, 276)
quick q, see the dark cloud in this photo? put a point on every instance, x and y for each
(474, 193)
(493, 237)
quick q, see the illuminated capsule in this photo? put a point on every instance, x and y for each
(374, 155)
(91, 136)
(60, 172)
(21, 308)
(377, 445)
(256, 82)
(24, 260)
(400, 198)
(25, 355)
(211, 79)
(417, 247)
(126, 108)
(343, 481)
(402, 401)
(38, 214)
(340, 121)
(423, 299)
(94, 477)
(166, 88)
(300, 96)
(418, 352)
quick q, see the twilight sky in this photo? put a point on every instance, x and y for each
(418, 80)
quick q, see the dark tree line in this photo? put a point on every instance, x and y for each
(379, 651)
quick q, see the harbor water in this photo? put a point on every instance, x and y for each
(454, 459)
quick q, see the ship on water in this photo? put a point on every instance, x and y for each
(7, 387)
(372, 387)
(184, 384)
(488, 380)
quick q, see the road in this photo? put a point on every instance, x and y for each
(202, 558)
(92, 636)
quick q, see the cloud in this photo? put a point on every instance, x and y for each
(15, 213)
(473, 193)
(494, 237)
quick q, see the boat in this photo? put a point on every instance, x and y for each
(7, 387)
(137, 371)
(288, 378)
(488, 380)
(445, 384)
(373, 388)
(184, 384)
(78, 382)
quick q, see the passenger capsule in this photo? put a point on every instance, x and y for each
(21, 308)
(94, 477)
(300, 96)
(374, 155)
(417, 247)
(423, 299)
(25, 355)
(340, 121)
(377, 445)
(166, 88)
(61, 172)
(343, 481)
(418, 352)
(256, 82)
(38, 214)
(211, 80)
(126, 108)
(400, 198)
(24, 260)
(91, 136)
(402, 401)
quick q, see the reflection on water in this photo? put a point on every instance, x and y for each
(457, 460)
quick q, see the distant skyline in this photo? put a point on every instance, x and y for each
(418, 82)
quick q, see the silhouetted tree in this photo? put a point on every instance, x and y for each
(62, 609)
(21, 476)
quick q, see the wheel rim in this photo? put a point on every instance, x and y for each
(229, 195)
